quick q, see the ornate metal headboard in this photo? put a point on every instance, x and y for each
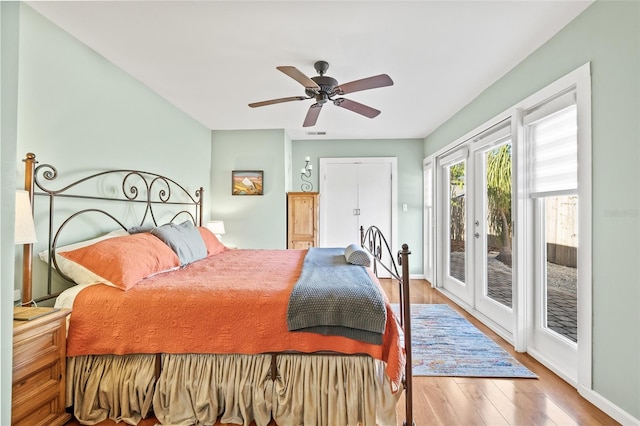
(123, 198)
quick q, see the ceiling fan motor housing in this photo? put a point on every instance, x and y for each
(327, 86)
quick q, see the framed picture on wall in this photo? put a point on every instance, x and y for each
(246, 182)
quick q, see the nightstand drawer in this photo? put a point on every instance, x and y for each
(39, 338)
(45, 416)
(37, 382)
(39, 368)
(37, 350)
(40, 402)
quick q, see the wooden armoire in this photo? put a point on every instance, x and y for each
(302, 219)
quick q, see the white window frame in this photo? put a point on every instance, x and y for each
(429, 261)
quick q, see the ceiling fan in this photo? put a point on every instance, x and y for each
(323, 88)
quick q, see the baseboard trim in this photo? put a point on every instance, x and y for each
(617, 413)
(551, 366)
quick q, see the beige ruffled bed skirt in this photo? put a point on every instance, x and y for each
(197, 389)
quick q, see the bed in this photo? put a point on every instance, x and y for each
(168, 321)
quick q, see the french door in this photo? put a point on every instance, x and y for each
(492, 229)
(452, 255)
(476, 233)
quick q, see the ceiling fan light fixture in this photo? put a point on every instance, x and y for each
(322, 97)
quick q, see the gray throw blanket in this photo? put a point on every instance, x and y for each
(333, 297)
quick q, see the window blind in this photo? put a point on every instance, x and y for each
(553, 159)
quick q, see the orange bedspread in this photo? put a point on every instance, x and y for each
(233, 302)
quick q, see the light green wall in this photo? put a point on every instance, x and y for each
(608, 35)
(260, 221)
(78, 110)
(80, 113)
(9, 30)
(409, 153)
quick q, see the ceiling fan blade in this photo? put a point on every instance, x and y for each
(277, 101)
(298, 76)
(356, 107)
(381, 80)
(312, 115)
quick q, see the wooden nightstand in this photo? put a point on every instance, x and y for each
(39, 368)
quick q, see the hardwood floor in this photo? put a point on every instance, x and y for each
(450, 401)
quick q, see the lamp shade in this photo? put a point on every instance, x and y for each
(25, 231)
(216, 227)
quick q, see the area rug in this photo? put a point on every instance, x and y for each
(446, 344)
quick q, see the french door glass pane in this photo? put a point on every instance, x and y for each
(457, 195)
(561, 277)
(497, 169)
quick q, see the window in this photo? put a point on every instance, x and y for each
(551, 133)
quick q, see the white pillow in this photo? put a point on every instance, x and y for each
(356, 255)
(71, 269)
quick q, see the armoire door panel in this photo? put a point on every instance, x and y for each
(302, 220)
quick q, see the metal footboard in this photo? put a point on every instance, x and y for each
(375, 243)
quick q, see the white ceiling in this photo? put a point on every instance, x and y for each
(212, 58)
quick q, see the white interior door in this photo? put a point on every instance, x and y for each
(374, 196)
(356, 192)
(338, 204)
(374, 202)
